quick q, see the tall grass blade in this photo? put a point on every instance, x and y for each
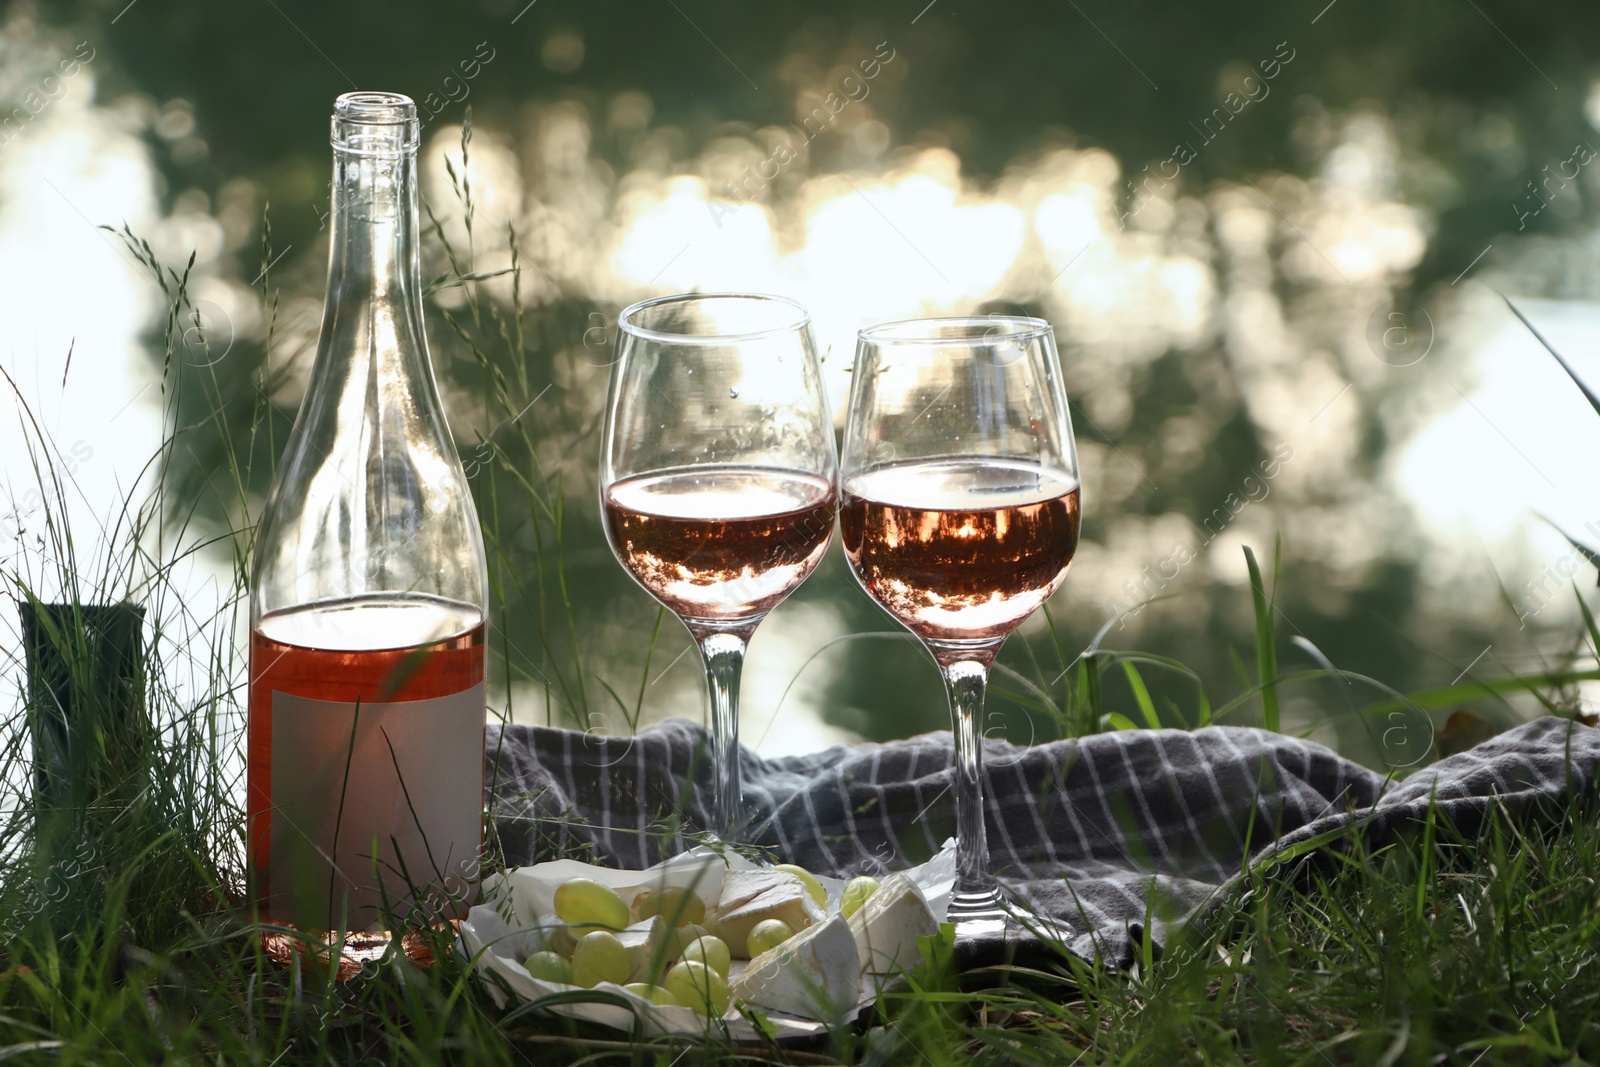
(1447, 695)
(1584, 550)
(1588, 623)
(1594, 401)
(1141, 696)
(1090, 691)
(1152, 659)
(1266, 647)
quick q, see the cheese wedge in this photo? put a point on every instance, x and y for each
(740, 887)
(748, 897)
(643, 940)
(815, 974)
(887, 926)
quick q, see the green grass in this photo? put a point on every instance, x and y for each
(1435, 950)
(1424, 951)
(124, 937)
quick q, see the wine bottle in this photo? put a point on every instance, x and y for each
(367, 593)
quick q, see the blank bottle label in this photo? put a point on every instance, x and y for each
(371, 800)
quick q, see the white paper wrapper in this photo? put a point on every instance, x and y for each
(499, 943)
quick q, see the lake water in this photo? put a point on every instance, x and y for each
(1222, 328)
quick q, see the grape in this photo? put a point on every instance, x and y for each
(585, 902)
(856, 892)
(653, 993)
(561, 941)
(681, 937)
(699, 987)
(814, 887)
(711, 951)
(600, 957)
(549, 967)
(768, 934)
(675, 904)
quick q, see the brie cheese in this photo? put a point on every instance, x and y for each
(643, 942)
(815, 974)
(749, 897)
(887, 926)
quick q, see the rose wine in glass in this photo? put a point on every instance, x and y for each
(959, 515)
(727, 542)
(961, 550)
(717, 475)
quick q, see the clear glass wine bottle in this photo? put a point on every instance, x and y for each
(367, 596)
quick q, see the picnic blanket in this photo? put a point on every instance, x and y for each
(1091, 830)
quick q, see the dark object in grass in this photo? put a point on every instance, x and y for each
(86, 701)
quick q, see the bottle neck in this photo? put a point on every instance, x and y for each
(374, 257)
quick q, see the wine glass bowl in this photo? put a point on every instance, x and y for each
(959, 514)
(717, 477)
(720, 545)
(961, 551)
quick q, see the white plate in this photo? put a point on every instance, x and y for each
(504, 930)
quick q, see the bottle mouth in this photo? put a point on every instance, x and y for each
(375, 124)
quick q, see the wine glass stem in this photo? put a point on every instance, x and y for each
(966, 682)
(723, 654)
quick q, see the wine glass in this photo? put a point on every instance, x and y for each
(959, 514)
(717, 478)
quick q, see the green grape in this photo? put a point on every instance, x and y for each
(562, 942)
(711, 951)
(814, 887)
(681, 937)
(699, 987)
(675, 904)
(856, 892)
(549, 967)
(585, 902)
(600, 957)
(653, 993)
(768, 934)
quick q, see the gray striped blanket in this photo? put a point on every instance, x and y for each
(1094, 830)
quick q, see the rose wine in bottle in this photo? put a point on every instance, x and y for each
(367, 597)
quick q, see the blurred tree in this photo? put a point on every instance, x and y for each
(1479, 97)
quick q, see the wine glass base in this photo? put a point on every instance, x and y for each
(992, 929)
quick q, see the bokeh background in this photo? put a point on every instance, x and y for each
(1272, 238)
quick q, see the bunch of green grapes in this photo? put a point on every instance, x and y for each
(586, 950)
